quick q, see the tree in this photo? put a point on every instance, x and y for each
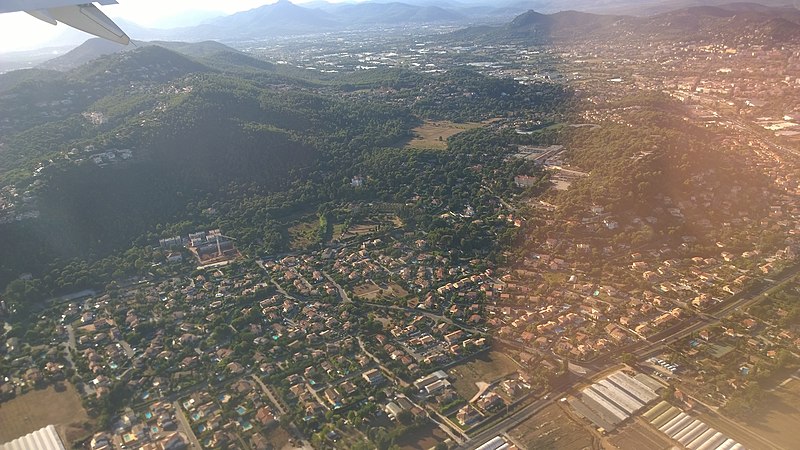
(405, 417)
(628, 359)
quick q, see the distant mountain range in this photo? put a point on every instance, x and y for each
(732, 24)
(285, 18)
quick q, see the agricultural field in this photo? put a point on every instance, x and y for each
(553, 429)
(638, 435)
(37, 409)
(774, 426)
(433, 135)
(486, 367)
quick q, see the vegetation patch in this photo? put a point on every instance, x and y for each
(303, 234)
(424, 438)
(486, 367)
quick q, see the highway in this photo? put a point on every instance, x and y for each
(640, 349)
(506, 424)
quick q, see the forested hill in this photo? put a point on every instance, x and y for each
(192, 129)
(96, 48)
(149, 142)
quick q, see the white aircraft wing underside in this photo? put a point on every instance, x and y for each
(77, 14)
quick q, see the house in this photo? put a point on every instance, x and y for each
(490, 401)
(455, 336)
(259, 442)
(333, 396)
(426, 380)
(393, 410)
(175, 441)
(467, 415)
(511, 387)
(265, 417)
(436, 387)
(235, 368)
(373, 377)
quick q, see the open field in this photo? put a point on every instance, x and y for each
(303, 234)
(553, 429)
(39, 408)
(775, 426)
(395, 290)
(368, 291)
(637, 435)
(371, 292)
(422, 438)
(360, 229)
(485, 367)
(433, 135)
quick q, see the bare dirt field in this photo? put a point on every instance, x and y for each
(485, 367)
(395, 290)
(553, 429)
(433, 135)
(39, 408)
(637, 435)
(368, 291)
(776, 426)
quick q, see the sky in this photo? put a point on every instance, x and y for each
(19, 31)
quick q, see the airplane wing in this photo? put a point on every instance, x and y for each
(77, 14)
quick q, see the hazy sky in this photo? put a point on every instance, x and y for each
(19, 31)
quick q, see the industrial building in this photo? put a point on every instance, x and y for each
(619, 396)
(614, 399)
(44, 439)
(687, 431)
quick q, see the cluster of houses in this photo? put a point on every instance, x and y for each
(155, 428)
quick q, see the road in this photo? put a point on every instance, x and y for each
(292, 428)
(435, 317)
(187, 429)
(377, 361)
(504, 425)
(421, 312)
(342, 292)
(713, 316)
(269, 394)
(640, 350)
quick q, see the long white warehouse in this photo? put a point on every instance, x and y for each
(616, 412)
(634, 386)
(621, 396)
